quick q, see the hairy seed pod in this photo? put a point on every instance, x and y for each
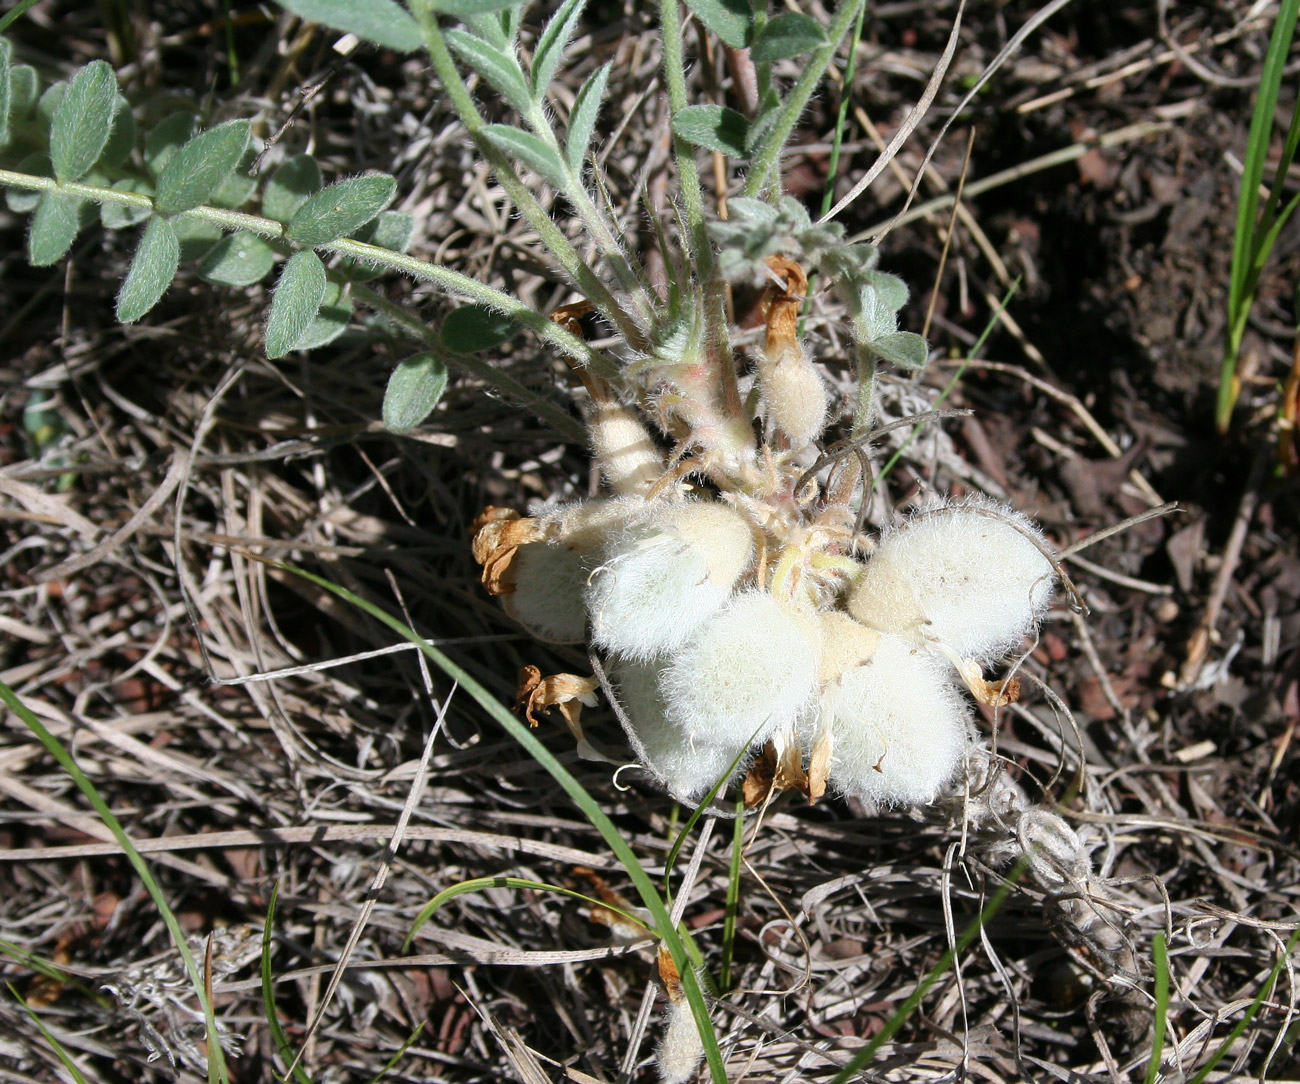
(687, 770)
(550, 576)
(972, 575)
(750, 672)
(794, 393)
(659, 581)
(680, 1049)
(627, 456)
(898, 726)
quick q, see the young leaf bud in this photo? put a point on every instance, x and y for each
(794, 393)
(662, 579)
(686, 770)
(898, 726)
(749, 672)
(972, 575)
(624, 450)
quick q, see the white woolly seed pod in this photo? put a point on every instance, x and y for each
(551, 576)
(794, 393)
(687, 770)
(971, 575)
(750, 672)
(658, 582)
(898, 726)
(680, 1049)
(624, 450)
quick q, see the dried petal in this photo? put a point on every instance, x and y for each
(568, 692)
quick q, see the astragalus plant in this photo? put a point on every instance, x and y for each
(747, 623)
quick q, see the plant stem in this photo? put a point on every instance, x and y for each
(586, 281)
(595, 222)
(768, 153)
(451, 282)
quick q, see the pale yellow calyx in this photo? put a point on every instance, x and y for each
(884, 599)
(846, 644)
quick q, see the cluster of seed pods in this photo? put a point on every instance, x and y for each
(745, 616)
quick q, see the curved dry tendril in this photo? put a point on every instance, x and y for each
(840, 449)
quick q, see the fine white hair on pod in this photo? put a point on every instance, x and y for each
(660, 580)
(974, 575)
(898, 726)
(680, 1049)
(687, 770)
(750, 672)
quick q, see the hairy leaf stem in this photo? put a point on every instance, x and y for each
(583, 278)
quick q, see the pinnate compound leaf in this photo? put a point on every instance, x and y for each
(120, 216)
(905, 349)
(731, 20)
(413, 391)
(472, 328)
(290, 186)
(715, 127)
(238, 259)
(788, 34)
(344, 206)
(167, 137)
(198, 169)
(582, 121)
(381, 22)
(294, 304)
(83, 121)
(530, 150)
(152, 269)
(552, 44)
(500, 68)
(54, 227)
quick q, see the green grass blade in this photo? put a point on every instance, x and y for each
(1247, 238)
(278, 1036)
(53, 972)
(698, 811)
(591, 810)
(841, 116)
(14, 14)
(1160, 960)
(733, 896)
(479, 884)
(1249, 1015)
(55, 1045)
(217, 1072)
(968, 935)
(391, 1063)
